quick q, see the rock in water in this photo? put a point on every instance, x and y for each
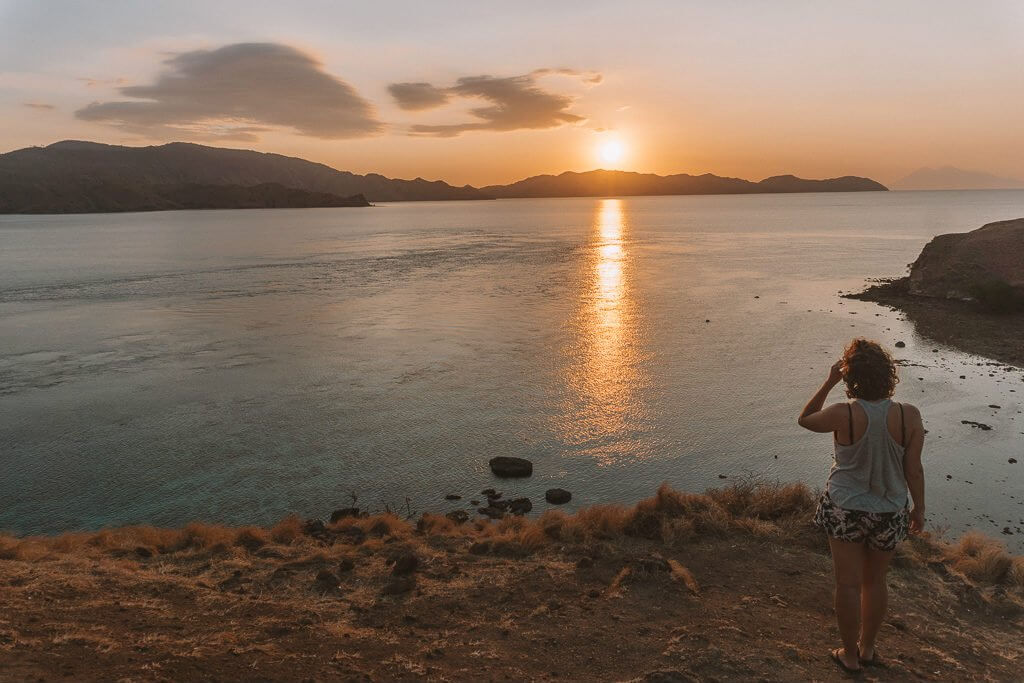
(505, 466)
(900, 345)
(520, 506)
(557, 496)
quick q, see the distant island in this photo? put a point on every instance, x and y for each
(952, 178)
(626, 183)
(88, 177)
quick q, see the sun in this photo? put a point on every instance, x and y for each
(611, 151)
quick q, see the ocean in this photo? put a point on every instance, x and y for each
(239, 366)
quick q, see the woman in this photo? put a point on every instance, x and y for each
(864, 508)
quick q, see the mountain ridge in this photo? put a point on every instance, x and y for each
(73, 176)
(604, 182)
(953, 178)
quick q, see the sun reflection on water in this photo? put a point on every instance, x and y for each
(604, 375)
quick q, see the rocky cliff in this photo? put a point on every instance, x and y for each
(959, 265)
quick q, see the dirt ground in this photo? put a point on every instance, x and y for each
(680, 588)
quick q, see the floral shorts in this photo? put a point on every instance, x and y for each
(880, 530)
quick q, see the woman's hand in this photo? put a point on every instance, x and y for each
(916, 521)
(835, 373)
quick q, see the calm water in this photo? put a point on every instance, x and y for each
(241, 365)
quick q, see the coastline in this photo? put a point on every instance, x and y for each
(733, 583)
(954, 323)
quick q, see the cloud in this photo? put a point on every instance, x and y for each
(417, 96)
(237, 91)
(516, 102)
(38, 105)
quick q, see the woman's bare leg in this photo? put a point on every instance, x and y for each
(848, 562)
(874, 598)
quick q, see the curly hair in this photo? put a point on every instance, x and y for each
(868, 370)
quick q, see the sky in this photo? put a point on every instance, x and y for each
(487, 92)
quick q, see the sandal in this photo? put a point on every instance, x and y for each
(842, 665)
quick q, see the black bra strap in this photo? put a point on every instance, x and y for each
(903, 427)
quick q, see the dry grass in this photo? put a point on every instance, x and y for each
(982, 559)
(672, 518)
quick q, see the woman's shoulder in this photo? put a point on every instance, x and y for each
(911, 411)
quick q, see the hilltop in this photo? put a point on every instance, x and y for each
(74, 176)
(733, 584)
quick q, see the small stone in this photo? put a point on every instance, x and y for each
(488, 492)
(557, 496)
(1012, 461)
(993, 406)
(453, 496)
(474, 502)
(900, 345)
(722, 476)
(520, 506)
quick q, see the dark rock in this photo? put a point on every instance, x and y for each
(963, 376)
(520, 506)
(453, 496)
(978, 425)
(961, 265)
(326, 581)
(505, 466)
(458, 516)
(557, 496)
(900, 345)
(474, 502)
(343, 513)
(405, 564)
(488, 492)
(399, 585)
(346, 565)
(143, 552)
(1012, 461)
(994, 406)
(494, 495)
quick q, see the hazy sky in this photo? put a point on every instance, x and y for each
(482, 92)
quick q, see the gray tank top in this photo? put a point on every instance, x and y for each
(868, 474)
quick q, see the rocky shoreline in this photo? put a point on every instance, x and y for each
(731, 584)
(953, 322)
